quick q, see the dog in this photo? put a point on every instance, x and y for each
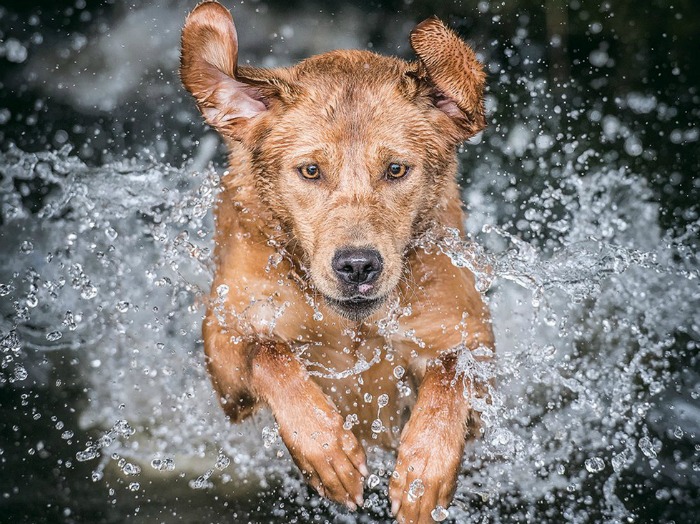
(323, 306)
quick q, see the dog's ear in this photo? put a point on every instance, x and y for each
(453, 73)
(208, 69)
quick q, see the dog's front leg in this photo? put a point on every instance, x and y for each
(328, 455)
(432, 443)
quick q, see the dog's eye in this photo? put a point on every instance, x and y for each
(396, 170)
(310, 171)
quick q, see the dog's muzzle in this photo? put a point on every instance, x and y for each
(357, 269)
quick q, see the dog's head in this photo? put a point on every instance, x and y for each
(352, 151)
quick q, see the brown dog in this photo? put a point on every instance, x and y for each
(323, 308)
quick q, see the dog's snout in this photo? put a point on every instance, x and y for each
(357, 266)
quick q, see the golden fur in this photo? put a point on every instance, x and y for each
(281, 325)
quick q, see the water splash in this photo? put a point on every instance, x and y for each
(585, 343)
(116, 277)
(110, 265)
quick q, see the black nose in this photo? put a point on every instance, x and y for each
(357, 266)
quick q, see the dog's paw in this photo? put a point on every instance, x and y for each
(426, 472)
(328, 455)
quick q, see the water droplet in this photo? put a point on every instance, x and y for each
(20, 373)
(368, 397)
(548, 351)
(647, 447)
(618, 461)
(222, 462)
(111, 233)
(439, 514)
(69, 321)
(376, 426)
(404, 389)
(26, 247)
(382, 400)
(372, 481)
(165, 464)
(595, 464)
(416, 490)
(67, 435)
(181, 237)
(318, 316)
(88, 291)
(89, 454)
(131, 469)
(269, 435)
(134, 486)
(14, 51)
(123, 428)
(350, 421)
(202, 482)
(122, 306)
(399, 372)
(53, 336)
(274, 260)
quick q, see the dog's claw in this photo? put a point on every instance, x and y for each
(395, 504)
(364, 470)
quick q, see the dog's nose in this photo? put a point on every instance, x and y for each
(357, 266)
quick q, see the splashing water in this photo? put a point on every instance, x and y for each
(594, 415)
(586, 345)
(119, 262)
(109, 266)
(594, 309)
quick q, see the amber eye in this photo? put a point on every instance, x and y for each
(310, 171)
(396, 170)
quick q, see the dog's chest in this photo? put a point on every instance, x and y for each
(368, 378)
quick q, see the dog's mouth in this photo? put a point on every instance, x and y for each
(355, 308)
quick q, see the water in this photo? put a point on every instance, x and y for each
(583, 233)
(590, 337)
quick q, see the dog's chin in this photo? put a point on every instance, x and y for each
(355, 308)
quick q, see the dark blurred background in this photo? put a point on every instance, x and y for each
(101, 76)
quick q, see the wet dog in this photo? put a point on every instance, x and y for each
(323, 307)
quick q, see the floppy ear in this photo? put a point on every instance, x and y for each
(455, 75)
(208, 69)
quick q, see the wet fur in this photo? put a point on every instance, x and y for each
(351, 112)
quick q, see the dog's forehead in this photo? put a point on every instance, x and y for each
(353, 77)
(349, 102)
(349, 92)
(343, 63)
